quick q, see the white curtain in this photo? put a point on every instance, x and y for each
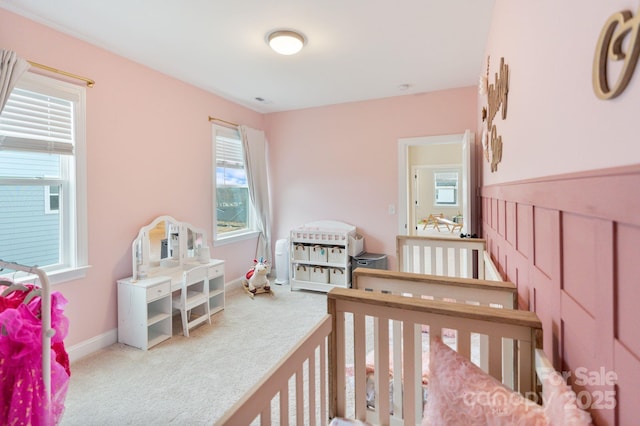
(11, 68)
(254, 144)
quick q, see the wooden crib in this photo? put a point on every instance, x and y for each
(386, 314)
(310, 384)
(454, 257)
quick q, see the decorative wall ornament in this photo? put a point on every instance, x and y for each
(496, 94)
(612, 46)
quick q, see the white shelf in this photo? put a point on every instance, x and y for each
(308, 269)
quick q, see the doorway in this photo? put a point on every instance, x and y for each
(434, 179)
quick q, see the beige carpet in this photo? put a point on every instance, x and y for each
(192, 381)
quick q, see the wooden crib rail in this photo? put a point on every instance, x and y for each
(454, 257)
(413, 314)
(308, 406)
(463, 290)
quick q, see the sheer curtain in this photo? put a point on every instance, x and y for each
(11, 68)
(254, 145)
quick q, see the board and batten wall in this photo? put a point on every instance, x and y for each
(570, 244)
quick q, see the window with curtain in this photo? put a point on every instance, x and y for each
(42, 177)
(234, 213)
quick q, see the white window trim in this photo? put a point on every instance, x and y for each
(446, 169)
(235, 236)
(77, 249)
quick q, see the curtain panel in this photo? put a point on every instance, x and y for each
(11, 69)
(254, 144)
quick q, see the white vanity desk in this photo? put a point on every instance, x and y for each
(163, 251)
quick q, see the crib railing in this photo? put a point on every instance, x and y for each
(499, 294)
(295, 387)
(352, 311)
(453, 257)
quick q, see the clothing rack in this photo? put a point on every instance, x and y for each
(47, 331)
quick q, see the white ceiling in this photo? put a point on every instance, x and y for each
(356, 49)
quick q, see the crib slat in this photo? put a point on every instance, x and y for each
(495, 362)
(299, 397)
(381, 347)
(407, 370)
(323, 385)
(312, 390)
(397, 360)
(339, 362)
(284, 405)
(484, 352)
(526, 362)
(463, 343)
(445, 263)
(265, 416)
(359, 360)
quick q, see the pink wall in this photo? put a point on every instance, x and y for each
(148, 154)
(340, 162)
(555, 123)
(569, 241)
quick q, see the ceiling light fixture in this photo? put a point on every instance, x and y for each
(285, 42)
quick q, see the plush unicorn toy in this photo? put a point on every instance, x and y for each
(256, 278)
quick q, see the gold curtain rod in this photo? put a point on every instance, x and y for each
(229, 123)
(90, 83)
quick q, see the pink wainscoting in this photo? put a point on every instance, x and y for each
(575, 257)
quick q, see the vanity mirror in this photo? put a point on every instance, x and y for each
(165, 244)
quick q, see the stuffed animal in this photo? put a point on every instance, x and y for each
(256, 278)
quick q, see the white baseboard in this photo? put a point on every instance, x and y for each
(89, 346)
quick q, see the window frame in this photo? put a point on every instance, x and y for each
(251, 230)
(436, 203)
(74, 228)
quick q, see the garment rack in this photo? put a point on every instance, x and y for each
(47, 331)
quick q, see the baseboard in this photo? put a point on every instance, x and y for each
(89, 346)
(233, 284)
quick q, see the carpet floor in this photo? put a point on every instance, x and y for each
(194, 380)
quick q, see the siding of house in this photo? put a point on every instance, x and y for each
(28, 234)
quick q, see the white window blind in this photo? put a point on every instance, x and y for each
(36, 122)
(229, 150)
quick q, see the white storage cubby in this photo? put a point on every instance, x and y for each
(320, 255)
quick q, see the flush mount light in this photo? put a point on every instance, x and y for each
(285, 42)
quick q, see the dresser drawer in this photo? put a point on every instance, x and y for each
(216, 271)
(158, 290)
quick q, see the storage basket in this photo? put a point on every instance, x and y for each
(356, 244)
(302, 273)
(301, 252)
(318, 253)
(338, 276)
(337, 255)
(318, 274)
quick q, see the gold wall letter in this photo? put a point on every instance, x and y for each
(609, 47)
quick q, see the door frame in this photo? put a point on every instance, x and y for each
(404, 177)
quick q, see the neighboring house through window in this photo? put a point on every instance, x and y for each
(42, 177)
(234, 216)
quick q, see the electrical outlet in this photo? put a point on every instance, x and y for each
(392, 209)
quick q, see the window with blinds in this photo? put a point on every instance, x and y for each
(233, 208)
(446, 188)
(40, 200)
